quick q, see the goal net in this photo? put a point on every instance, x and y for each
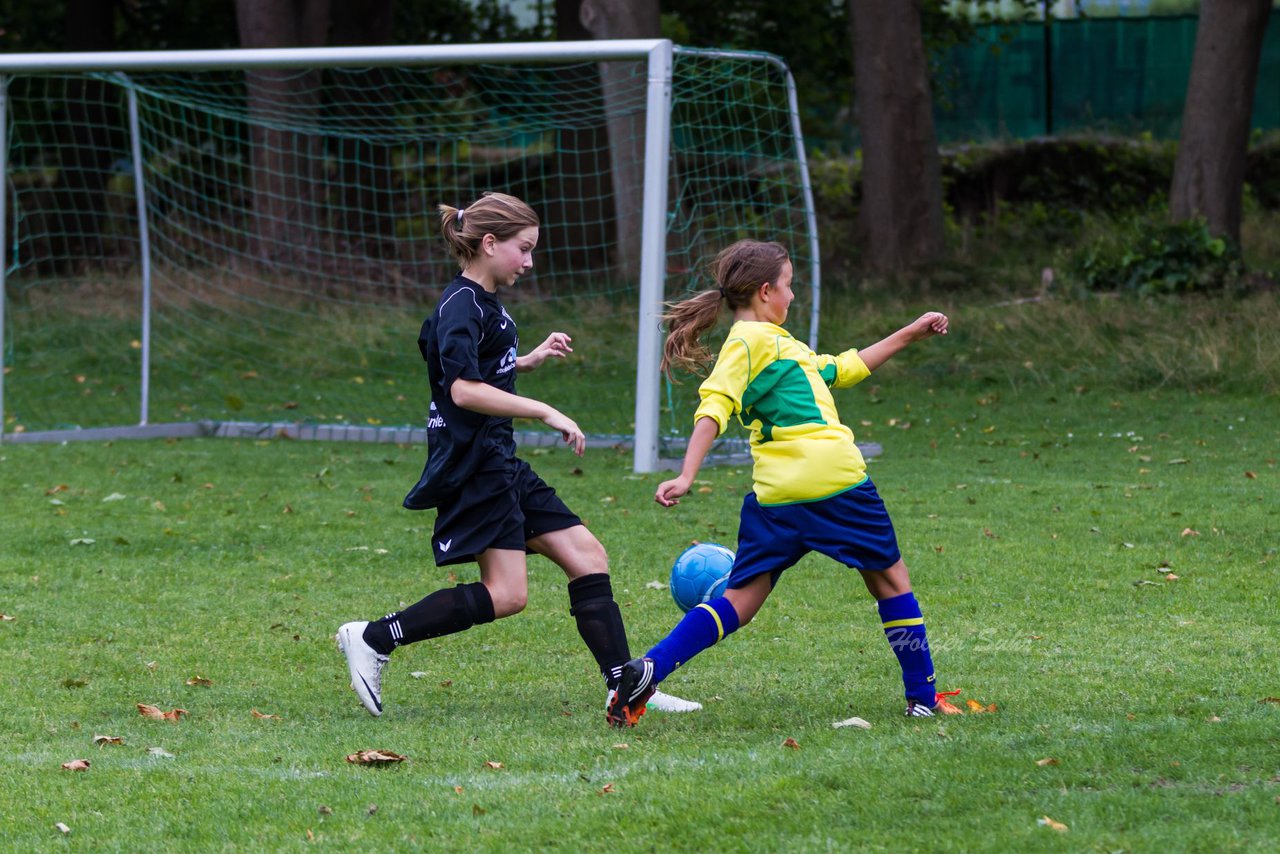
(247, 248)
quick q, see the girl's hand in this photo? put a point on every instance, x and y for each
(928, 324)
(669, 491)
(569, 431)
(556, 345)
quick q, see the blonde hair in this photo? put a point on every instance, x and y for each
(498, 214)
(739, 271)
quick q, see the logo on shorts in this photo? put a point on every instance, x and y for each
(444, 546)
(435, 420)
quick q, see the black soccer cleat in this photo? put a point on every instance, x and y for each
(635, 687)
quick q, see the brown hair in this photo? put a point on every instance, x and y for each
(739, 271)
(498, 214)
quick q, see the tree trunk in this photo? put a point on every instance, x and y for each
(624, 83)
(1208, 175)
(90, 139)
(365, 219)
(580, 212)
(287, 160)
(901, 215)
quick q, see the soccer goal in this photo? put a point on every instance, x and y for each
(245, 242)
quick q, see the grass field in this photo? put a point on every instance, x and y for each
(1095, 549)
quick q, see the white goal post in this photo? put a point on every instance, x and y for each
(658, 57)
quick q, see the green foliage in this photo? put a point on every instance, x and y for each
(1151, 256)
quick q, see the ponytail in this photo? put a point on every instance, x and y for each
(686, 321)
(739, 270)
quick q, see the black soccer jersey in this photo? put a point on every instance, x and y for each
(469, 336)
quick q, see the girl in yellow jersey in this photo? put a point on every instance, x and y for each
(811, 489)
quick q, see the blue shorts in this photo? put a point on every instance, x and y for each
(851, 527)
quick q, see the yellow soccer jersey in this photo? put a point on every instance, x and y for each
(780, 391)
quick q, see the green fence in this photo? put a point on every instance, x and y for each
(1127, 75)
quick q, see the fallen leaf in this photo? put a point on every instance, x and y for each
(101, 740)
(1213, 719)
(5, 618)
(457, 790)
(1048, 760)
(373, 808)
(1251, 475)
(159, 752)
(622, 746)
(656, 585)
(1275, 700)
(1171, 577)
(976, 707)
(607, 789)
(856, 722)
(325, 810)
(76, 765)
(149, 711)
(1045, 821)
(374, 757)
(115, 496)
(62, 828)
(261, 716)
(83, 541)
(1179, 462)
(493, 765)
(792, 743)
(1190, 532)
(986, 532)
(418, 674)
(201, 681)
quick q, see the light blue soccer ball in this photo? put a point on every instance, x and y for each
(700, 574)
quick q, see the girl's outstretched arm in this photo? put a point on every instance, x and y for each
(926, 325)
(557, 345)
(704, 434)
(482, 397)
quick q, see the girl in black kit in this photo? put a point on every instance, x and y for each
(491, 506)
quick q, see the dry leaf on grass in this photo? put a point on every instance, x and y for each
(200, 681)
(102, 740)
(1045, 821)
(1275, 700)
(494, 766)
(5, 618)
(977, 708)
(374, 757)
(62, 828)
(607, 789)
(76, 765)
(258, 714)
(1048, 760)
(855, 722)
(792, 743)
(149, 711)
(159, 752)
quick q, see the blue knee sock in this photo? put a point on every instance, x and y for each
(704, 626)
(904, 629)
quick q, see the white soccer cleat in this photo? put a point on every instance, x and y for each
(661, 702)
(365, 665)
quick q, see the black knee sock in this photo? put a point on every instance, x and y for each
(448, 610)
(600, 623)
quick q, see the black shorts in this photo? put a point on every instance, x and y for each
(498, 510)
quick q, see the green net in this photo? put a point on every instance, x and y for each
(293, 232)
(1127, 75)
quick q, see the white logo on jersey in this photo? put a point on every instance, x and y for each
(444, 547)
(435, 420)
(508, 362)
(506, 318)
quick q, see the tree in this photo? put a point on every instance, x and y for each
(286, 162)
(624, 19)
(901, 212)
(1208, 174)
